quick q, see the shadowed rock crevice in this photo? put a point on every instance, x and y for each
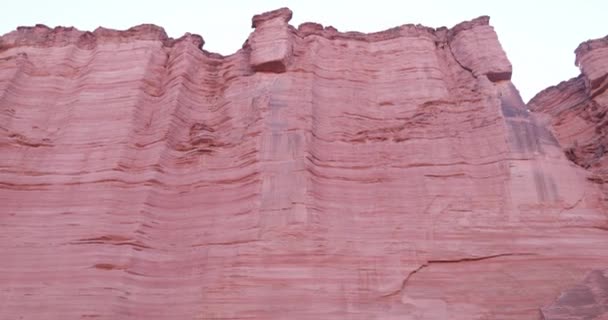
(430, 263)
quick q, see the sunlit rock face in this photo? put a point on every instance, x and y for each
(313, 174)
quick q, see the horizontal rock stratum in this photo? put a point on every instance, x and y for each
(313, 174)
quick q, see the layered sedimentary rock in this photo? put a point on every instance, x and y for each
(313, 174)
(576, 111)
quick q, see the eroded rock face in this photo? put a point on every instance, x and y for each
(576, 111)
(271, 44)
(475, 46)
(313, 174)
(587, 300)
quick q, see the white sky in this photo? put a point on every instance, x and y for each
(538, 36)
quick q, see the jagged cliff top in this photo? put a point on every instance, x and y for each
(589, 45)
(42, 35)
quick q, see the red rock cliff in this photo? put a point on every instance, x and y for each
(313, 174)
(575, 110)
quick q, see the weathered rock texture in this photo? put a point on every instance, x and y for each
(313, 174)
(587, 300)
(576, 111)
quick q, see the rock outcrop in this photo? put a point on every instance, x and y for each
(587, 300)
(576, 111)
(313, 174)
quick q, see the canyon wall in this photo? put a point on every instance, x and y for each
(313, 174)
(575, 110)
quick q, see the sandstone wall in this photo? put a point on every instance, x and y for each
(314, 174)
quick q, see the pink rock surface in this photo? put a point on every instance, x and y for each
(587, 300)
(313, 174)
(592, 58)
(271, 44)
(475, 46)
(576, 111)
